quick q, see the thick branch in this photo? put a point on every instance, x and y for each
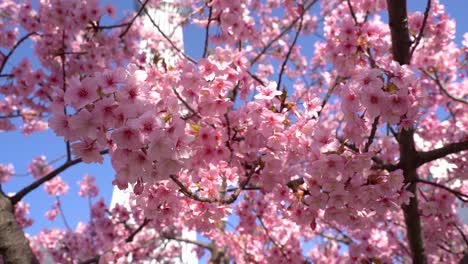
(207, 32)
(21, 40)
(461, 196)
(428, 156)
(398, 21)
(14, 246)
(23, 192)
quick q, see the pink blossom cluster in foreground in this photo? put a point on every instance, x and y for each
(295, 139)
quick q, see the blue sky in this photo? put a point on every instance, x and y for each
(19, 150)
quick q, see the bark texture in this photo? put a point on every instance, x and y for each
(409, 157)
(14, 246)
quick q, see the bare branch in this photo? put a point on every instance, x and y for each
(452, 148)
(266, 47)
(186, 240)
(443, 88)
(21, 40)
(461, 196)
(351, 10)
(179, 51)
(194, 113)
(291, 47)
(207, 32)
(372, 134)
(26, 190)
(129, 24)
(421, 31)
(137, 230)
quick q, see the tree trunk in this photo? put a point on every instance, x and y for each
(14, 246)
(401, 43)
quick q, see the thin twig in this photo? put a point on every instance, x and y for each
(372, 134)
(280, 247)
(26, 190)
(207, 32)
(136, 231)
(266, 47)
(351, 10)
(195, 113)
(21, 40)
(421, 30)
(62, 214)
(186, 240)
(328, 95)
(461, 196)
(452, 148)
(179, 51)
(283, 65)
(442, 87)
(129, 25)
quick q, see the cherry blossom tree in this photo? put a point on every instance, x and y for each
(336, 125)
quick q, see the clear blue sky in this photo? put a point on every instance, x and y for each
(20, 150)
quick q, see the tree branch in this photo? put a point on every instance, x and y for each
(129, 24)
(136, 231)
(372, 134)
(166, 37)
(452, 148)
(442, 87)
(291, 47)
(26, 190)
(461, 196)
(21, 40)
(398, 22)
(207, 32)
(421, 31)
(266, 47)
(14, 246)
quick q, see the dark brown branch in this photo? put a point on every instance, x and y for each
(179, 51)
(230, 199)
(351, 10)
(421, 31)
(129, 239)
(255, 77)
(266, 47)
(14, 246)
(21, 40)
(26, 190)
(279, 246)
(443, 88)
(462, 234)
(328, 95)
(372, 134)
(461, 196)
(344, 240)
(428, 156)
(207, 32)
(62, 214)
(398, 22)
(189, 241)
(129, 25)
(194, 113)
(291, 47)
(136, 231)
